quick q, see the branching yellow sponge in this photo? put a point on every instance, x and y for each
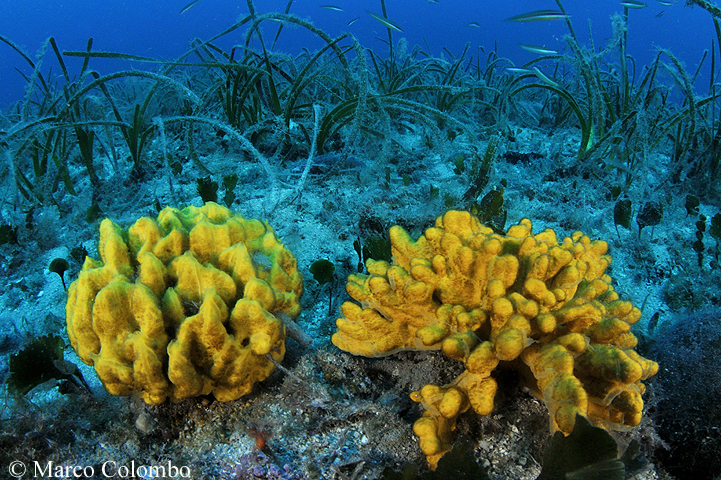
(535, 303)
(183, 305)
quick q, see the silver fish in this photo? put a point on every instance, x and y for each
(332, 7)
(538, 16)
(544, 78)
(518, 70)
(633, 4)
(537, 49)
(385, 21)
(189, 6)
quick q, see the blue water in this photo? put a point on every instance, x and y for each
(157, 29)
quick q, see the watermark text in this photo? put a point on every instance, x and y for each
(109, 469)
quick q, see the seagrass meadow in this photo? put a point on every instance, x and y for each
(354, 263)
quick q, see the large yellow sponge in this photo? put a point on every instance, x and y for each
(529, 301)
(187, 304)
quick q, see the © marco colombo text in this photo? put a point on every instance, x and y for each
(110, 469)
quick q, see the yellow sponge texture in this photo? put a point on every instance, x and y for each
(543, 306)
(186, 304)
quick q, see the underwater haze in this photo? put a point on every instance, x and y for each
(159, 30)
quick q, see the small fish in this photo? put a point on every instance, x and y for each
(332, 7)
(385, 21)
(537, 49)
(660, 14)
(665, 3)
(538, 16)
(473, 25)
(633, 4)
(189, 6)
(544, 78)
(353, 21)
(433, 1)
(518, 70)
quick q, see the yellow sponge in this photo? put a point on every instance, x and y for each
(529, 301)
(183, 305)
(434, 429)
